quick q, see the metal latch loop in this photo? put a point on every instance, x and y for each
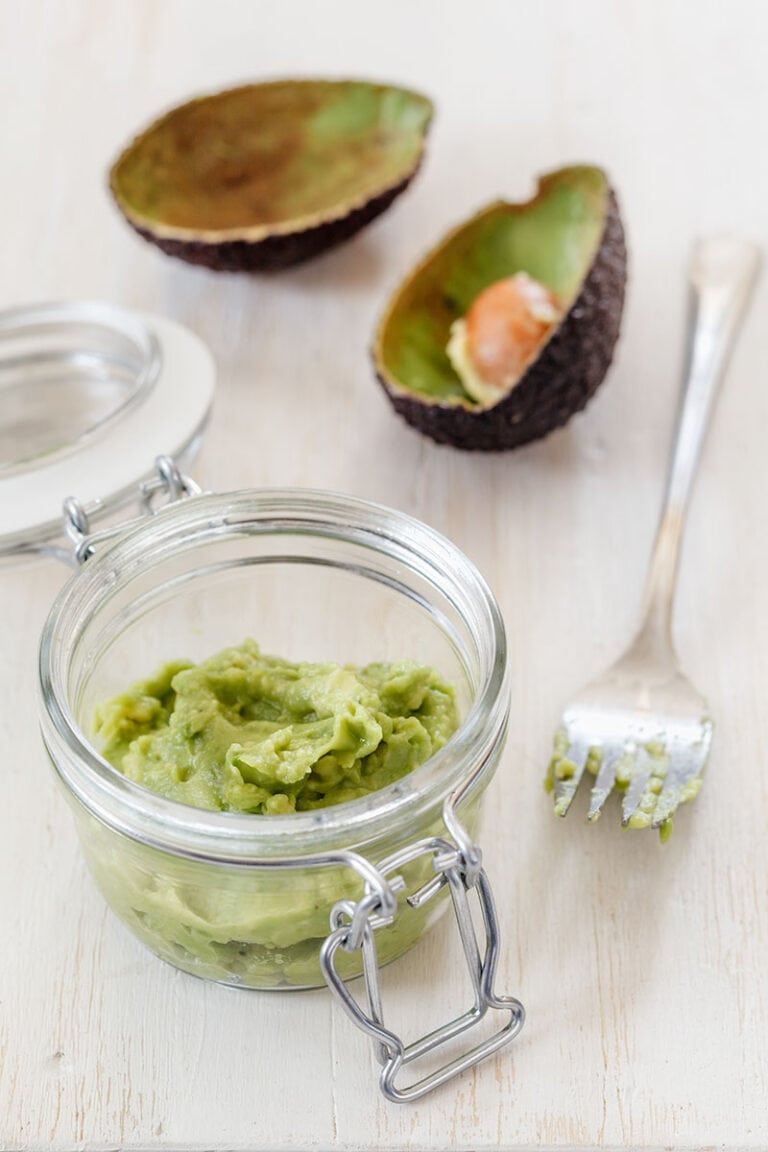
(353, 925)
(168, 480)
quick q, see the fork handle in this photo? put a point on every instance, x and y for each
(722, 275)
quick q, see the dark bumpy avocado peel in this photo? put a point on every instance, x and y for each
(567, 371)
(278, 251)
(268, 175)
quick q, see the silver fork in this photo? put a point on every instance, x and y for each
(642, 727)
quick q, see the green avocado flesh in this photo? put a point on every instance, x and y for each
(266, 154)
(658, 801)
(554, 238)
(245, 732)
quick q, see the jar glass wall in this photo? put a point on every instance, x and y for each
(310, 577)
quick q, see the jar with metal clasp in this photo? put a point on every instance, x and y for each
(102, 410)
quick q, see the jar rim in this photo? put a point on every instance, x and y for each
(239, 838)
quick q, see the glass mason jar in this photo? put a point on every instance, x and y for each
(312, 577)
(266, 902)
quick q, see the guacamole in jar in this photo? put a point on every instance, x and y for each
(251, 733)
(245, 732)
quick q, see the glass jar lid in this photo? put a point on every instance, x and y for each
(90, 395)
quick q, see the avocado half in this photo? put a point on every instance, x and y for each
(570, 238)
(268, 175)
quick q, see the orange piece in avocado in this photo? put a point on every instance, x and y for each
(500, 335)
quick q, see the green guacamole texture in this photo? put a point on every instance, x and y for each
(251, 733)
(246, 732)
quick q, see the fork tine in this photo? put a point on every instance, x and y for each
(567, 770)
(683, 781)
(602, 786)
(666, 806)
(640, 775)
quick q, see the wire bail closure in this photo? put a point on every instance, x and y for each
(167, 481)
(458, 864)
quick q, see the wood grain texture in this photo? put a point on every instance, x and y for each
(642, 968)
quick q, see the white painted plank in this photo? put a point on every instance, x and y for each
(642, 968)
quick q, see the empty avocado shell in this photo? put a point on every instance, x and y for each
(569, 237)
(267, 175)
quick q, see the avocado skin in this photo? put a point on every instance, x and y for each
(281, 250)
(560, 382)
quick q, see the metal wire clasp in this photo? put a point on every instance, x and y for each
(168, 481)
(353, 926)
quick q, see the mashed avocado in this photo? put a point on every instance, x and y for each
(244, 732)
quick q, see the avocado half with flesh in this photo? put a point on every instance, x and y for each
(570, 240)
(268, 175)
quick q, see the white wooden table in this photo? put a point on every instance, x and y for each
(643, 968)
